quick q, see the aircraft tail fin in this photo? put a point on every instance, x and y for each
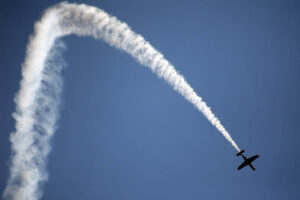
(240, 153)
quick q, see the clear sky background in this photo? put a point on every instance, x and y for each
(126, 135)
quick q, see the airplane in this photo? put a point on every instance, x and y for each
(247, 161)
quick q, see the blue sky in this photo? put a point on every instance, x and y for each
(124, 134)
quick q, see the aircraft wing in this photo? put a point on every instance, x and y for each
(242, 165)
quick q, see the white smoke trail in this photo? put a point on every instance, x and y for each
(38, 98)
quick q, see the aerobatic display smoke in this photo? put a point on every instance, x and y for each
(38, 99)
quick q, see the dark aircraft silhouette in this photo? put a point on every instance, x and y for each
(247, 161)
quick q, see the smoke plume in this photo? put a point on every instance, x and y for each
(38, 99)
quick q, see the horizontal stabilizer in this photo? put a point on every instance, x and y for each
(240, 153)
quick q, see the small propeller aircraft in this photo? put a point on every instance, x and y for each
(247, 161)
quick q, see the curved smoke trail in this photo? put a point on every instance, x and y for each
(38, 98)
